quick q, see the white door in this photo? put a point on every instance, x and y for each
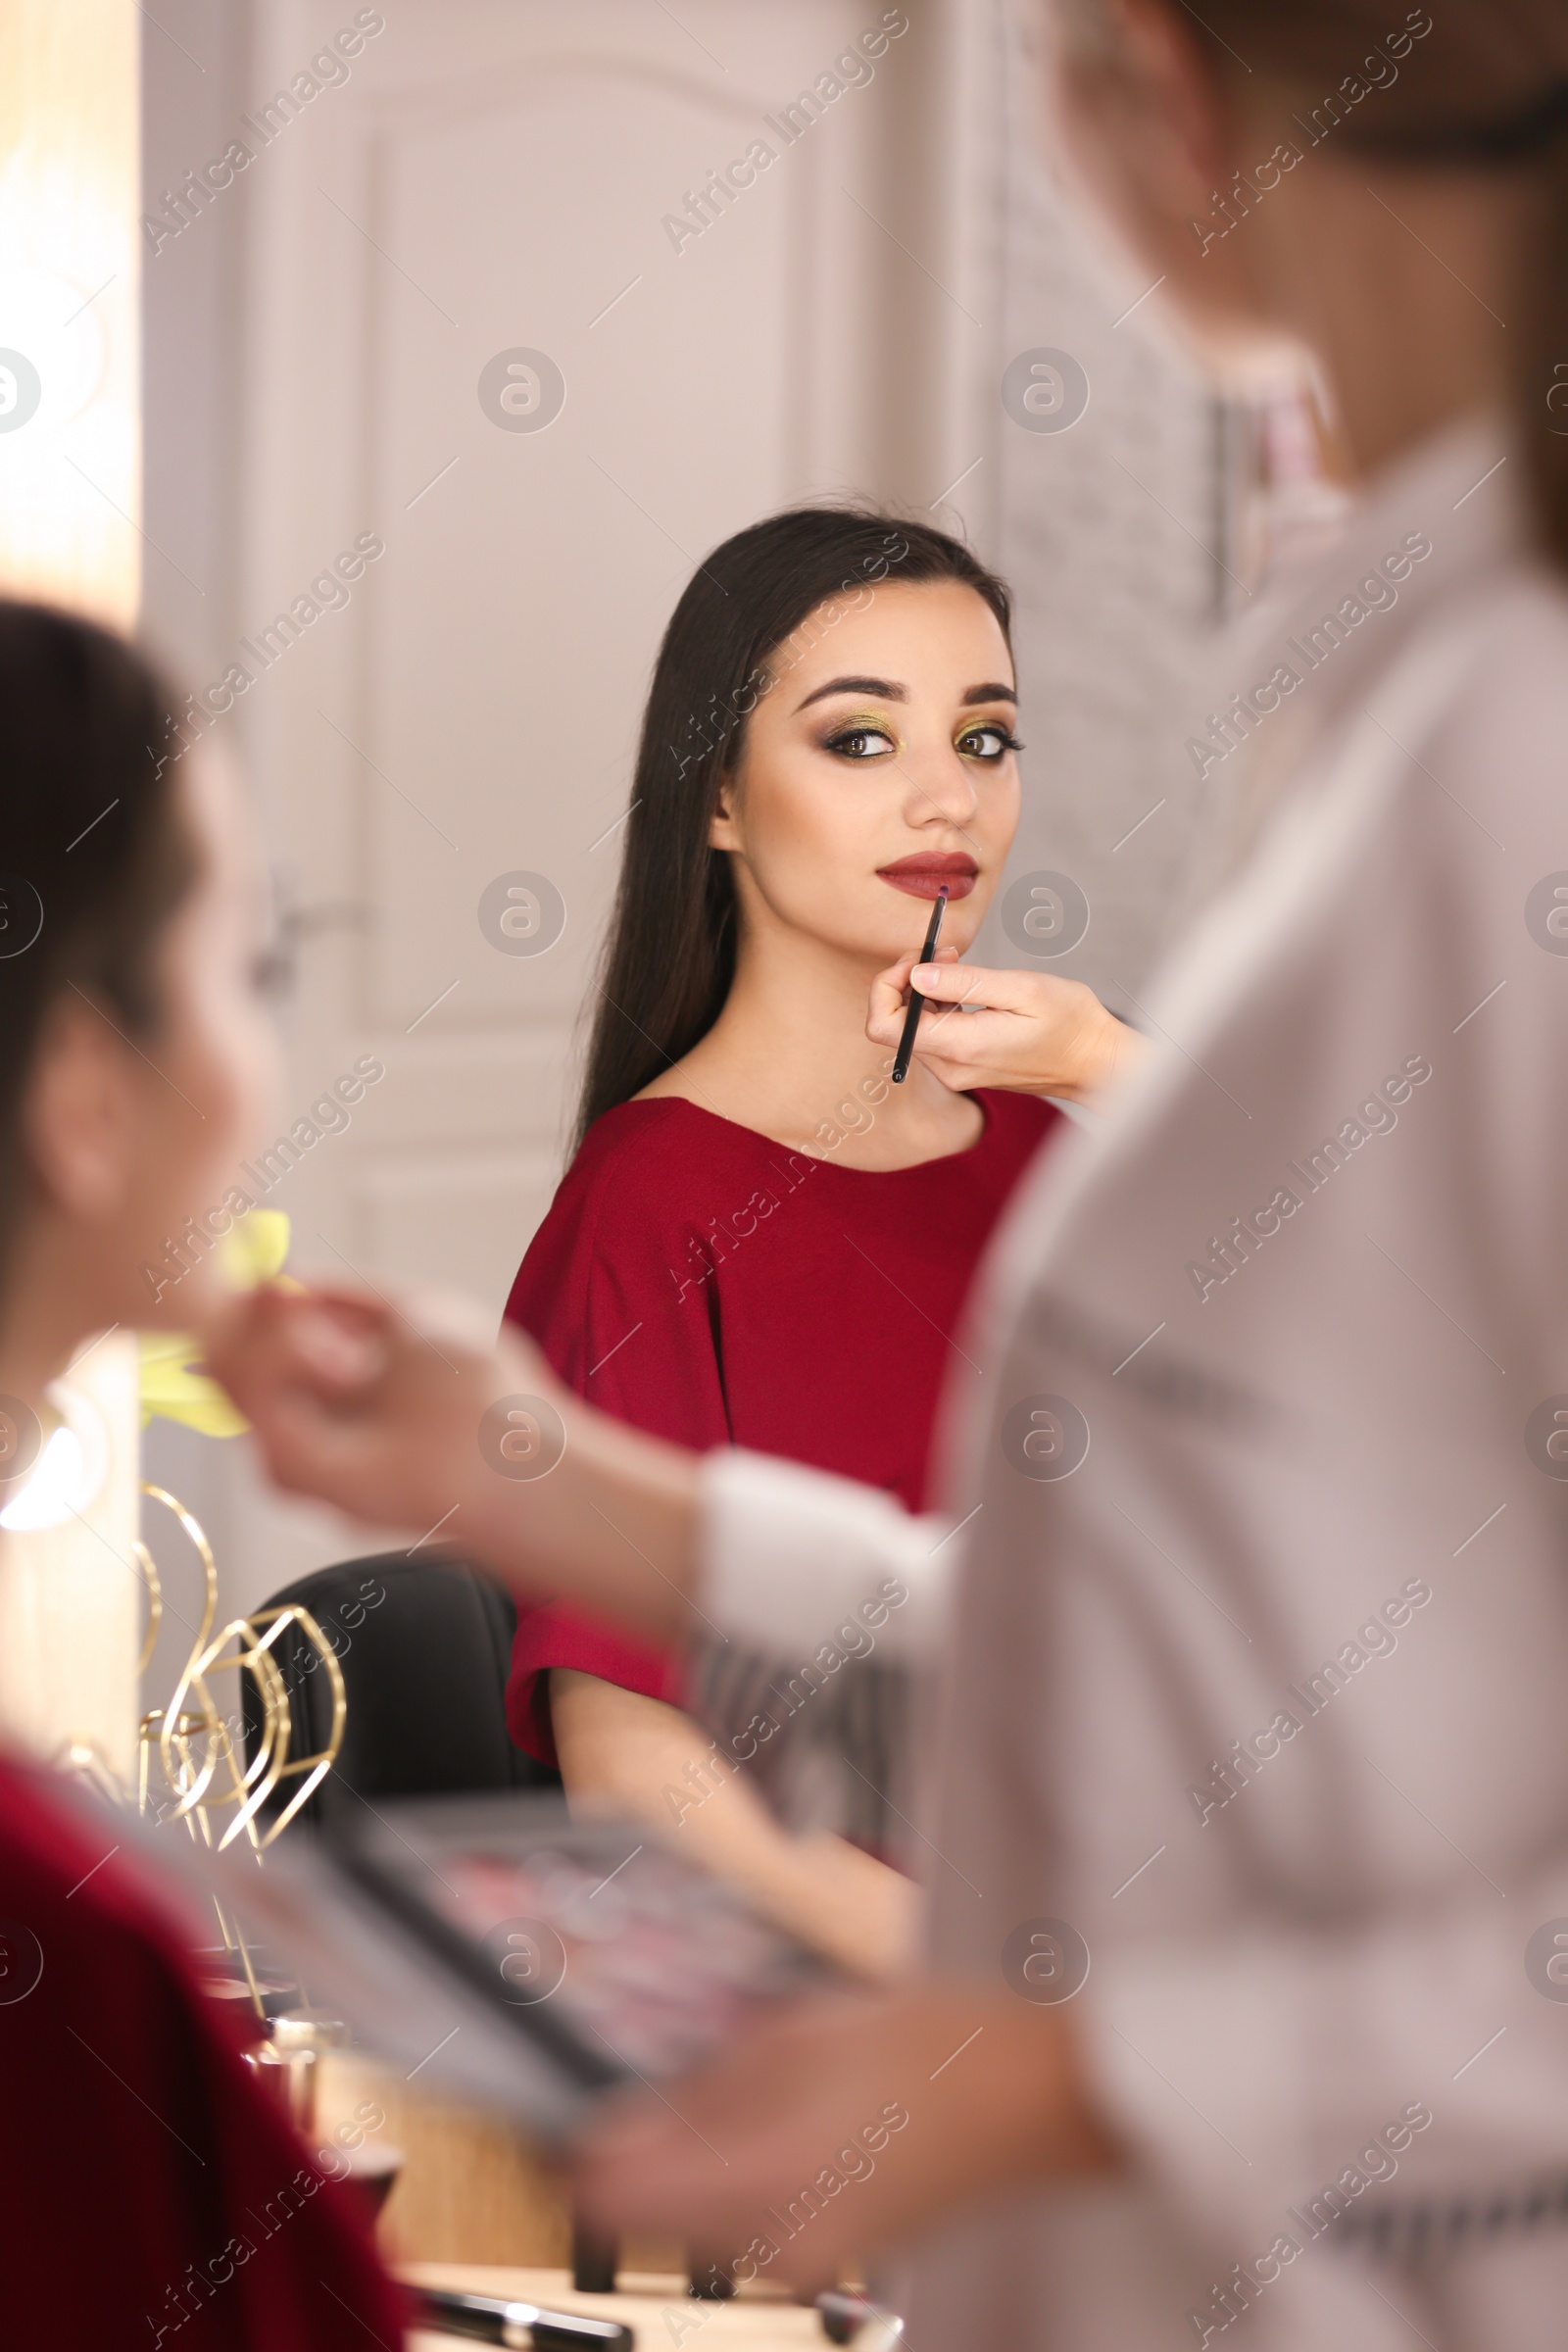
(509, 361)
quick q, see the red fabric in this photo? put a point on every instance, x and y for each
(138, 2161)
(716, 1289)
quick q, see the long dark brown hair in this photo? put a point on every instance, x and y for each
(93, 858)
(1478, 85)
(670, 957)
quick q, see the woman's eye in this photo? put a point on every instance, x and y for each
(988, 743)
(860, 743)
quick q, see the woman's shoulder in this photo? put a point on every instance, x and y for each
(125, 1936)
(102, 1943)
(1015, 1123)
(642, 1150)
(642, 1175)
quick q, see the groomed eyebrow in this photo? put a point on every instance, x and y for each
(888, 691)
(884, 689)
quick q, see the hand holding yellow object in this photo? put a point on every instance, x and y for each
(172, 1383)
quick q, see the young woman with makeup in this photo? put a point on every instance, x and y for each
(761, 1239)
(1242, 2013)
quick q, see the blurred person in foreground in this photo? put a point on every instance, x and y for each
(150, 2192)
(1255, 1655)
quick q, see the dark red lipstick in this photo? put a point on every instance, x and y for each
(930, 871)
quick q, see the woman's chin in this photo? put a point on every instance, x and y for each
(892, 925)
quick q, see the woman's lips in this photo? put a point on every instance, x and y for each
(924, 877)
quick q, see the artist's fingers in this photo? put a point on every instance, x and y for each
(976, 984)
(890, 997)
(774, 2101)
(297, 1369)
(829, 2092)
(309, 1451)
(889, 989)
(965, 1050)
(330, 1343)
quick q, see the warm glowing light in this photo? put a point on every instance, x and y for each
(69, 1472)
(69, 471)
(70, 1586)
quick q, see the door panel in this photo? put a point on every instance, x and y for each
(464, 707)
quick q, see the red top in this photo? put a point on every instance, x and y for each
(152, 2192)
(714, 1286)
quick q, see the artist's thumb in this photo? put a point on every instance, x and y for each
(948, 983)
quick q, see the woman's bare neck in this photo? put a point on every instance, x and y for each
(789, 1057)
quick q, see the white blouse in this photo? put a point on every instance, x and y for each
(1255, 1653)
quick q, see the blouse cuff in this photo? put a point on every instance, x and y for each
(789, 1555)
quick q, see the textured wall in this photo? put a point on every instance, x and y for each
(1108, 530)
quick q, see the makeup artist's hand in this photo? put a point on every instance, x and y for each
(1037, 1034)
(367, 1405)
(892, 2112)
(408, 1413)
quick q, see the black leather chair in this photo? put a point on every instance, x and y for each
(424, 1647)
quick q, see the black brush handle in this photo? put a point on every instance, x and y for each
(911, 1019)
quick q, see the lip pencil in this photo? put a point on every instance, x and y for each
(911, 1019)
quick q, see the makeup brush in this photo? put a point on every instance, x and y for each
(911, 1019)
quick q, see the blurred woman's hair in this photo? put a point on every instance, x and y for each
(1464, 86)
(93, 860)
(753, 608)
